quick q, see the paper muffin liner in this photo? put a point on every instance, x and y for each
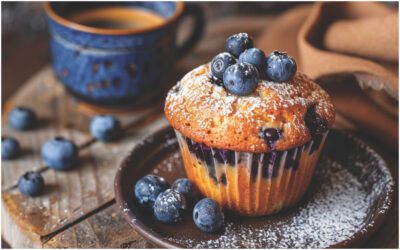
(251, 184)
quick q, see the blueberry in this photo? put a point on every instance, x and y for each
(170, 206)
(220, 63)
(254, 56)
(207, 215)
(31, 183)
(241, 79)
(59, 153)
(238, 43)
(185, 187)
(22, 118)
(270, 136)
(148, 188)
(105, 127)
(314, 122)
(9, 147)
(280, 67)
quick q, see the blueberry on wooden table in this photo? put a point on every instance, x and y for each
(208, 216)
(31, 183)
(280, 67)
(238, 43)
(241, 79)
(22, 118)
(9, 148)
(105, 127)
(148, 188)
(59, 153)
(170, 206)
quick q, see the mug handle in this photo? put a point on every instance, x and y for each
(197, 12)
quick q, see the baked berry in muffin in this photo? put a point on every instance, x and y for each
(251, 143)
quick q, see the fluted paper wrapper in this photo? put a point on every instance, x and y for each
(251, 184)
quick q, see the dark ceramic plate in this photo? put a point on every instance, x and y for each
(347, 201)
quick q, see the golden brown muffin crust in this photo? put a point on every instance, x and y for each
(207, 113)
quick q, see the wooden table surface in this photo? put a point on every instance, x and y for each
(78, 208)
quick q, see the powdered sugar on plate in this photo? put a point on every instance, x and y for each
(349, 197)
(336, 208)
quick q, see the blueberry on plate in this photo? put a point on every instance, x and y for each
(254, 56)
(280, 67)
(9, 147)
(220, 63)
(105, 127)
(170, 206)
(148, 188)
(238, 43)
(31, 183)
(241, 79)
(208, 216)
(59, 153)
(185, 187)
(22, 118)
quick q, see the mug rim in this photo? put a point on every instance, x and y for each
(102, 31)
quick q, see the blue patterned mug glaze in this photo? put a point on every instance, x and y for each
(117, 66)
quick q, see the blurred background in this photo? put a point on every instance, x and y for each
(25, 40)
(25, 49)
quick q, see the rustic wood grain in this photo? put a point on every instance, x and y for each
(70, 194)
(78, 208)
(106, 229)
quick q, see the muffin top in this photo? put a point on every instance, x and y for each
(205, 112)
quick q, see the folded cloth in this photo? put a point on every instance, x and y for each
(341, 44)
(382, 47)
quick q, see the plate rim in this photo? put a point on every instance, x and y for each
(145, 231)
(129, 216)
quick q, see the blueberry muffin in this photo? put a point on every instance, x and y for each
(250, 131)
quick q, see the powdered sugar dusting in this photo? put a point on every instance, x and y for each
(169, 164)
(343, 200)
(337, 208)
(197, 106)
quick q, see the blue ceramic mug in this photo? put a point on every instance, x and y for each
(117, 65)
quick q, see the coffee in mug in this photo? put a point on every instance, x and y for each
(118, 53)
(117, 18)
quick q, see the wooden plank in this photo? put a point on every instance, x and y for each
(56, 111)
(71, 194)
(106, 229)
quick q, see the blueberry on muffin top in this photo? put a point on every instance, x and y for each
(247, 105)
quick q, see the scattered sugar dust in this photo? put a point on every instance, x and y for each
(336, 210)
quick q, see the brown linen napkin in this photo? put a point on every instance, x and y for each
(383, 30)
(333, 44)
